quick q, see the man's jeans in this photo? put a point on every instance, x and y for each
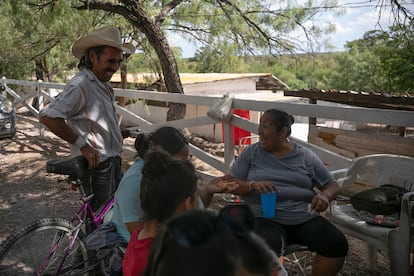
(104, 181)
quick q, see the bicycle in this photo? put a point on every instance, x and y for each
(54, 246)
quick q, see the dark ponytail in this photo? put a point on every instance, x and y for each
(281, 119)
(165, 184)
(168, 138)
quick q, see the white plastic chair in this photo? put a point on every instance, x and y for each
(301, 262)
(375, 170)
(244, 141)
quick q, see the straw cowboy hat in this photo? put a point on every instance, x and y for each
(106, 36)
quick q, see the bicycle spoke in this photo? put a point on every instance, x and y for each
(40, 248)
(52, 258)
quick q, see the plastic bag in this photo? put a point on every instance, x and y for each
(383, 200)
(221, 110)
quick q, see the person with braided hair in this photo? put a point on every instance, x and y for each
(168, 187)
(205, 243)
(127, 212)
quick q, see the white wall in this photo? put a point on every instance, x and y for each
(239, 88)
(234, 87)
(218, 88)
(153, 114)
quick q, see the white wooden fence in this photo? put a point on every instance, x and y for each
(334, 161)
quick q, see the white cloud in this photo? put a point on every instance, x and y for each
(356, 22)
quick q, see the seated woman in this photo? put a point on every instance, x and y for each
(127, 212)
(168, 187)
(201, 243)
(276, 163)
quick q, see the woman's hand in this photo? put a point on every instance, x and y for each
(241, 187)
(217, 185)
(221, 185)
(320, 203)
(262, 187)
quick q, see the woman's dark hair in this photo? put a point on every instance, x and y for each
(168, 138)
(281, 119)
(191, 238)
(84, 62)
(165, 183)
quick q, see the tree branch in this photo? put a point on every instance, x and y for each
(130, 11)
(255, 27)
(167, 8)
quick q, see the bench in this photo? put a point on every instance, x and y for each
(371, 171)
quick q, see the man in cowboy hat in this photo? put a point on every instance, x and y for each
(84, 113)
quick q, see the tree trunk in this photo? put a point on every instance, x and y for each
(124, 82)
(39, 70)
(151, 27)
(169, 67)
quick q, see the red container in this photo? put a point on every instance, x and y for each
(238, 132)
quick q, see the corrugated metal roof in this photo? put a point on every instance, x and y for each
(363, 99)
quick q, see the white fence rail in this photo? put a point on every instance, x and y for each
(335, 161)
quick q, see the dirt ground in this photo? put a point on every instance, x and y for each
(29, 193)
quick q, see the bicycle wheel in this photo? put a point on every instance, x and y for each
(38, 249)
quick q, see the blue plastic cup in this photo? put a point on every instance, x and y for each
(268, 204)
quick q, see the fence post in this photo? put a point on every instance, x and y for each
(40, 105)
(3, 82)
(228, 141)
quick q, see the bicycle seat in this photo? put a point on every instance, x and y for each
(75, 167)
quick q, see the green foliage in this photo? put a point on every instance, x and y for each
(398, 58)
(359, 71)
(253, 27)
(37, 38)
(208, 60)
(237, 36)
(380, 61)
(10, 52)
(297, 71)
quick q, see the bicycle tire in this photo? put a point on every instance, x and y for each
(25, 252)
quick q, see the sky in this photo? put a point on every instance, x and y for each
(360, 16)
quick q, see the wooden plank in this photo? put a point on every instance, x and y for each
(344, 152)
(355, 114)
(186, 123)
(361, 143)
(137, 120)
(244, 124)
(165, 97)
(376, 144)
(208, 158)
(331, 159)
(321, 131)
(363, 99)
(352, 114)
(346, 113)
(228, 146)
